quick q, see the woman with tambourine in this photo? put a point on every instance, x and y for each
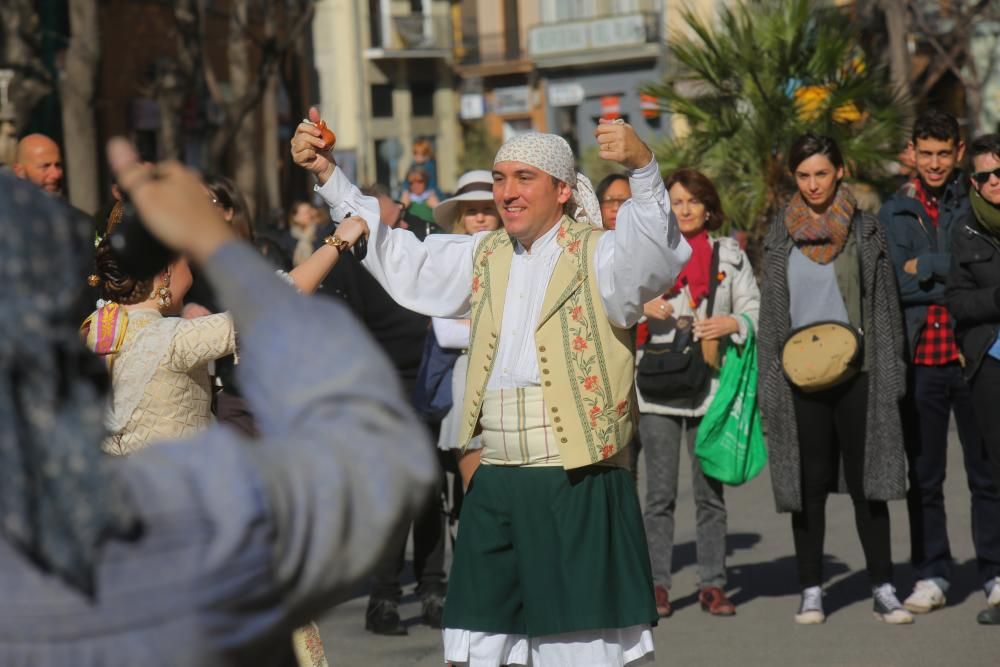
(832, 371)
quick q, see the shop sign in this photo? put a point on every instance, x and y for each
(565, 94)
(512, 100)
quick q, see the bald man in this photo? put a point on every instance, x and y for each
(39, 160)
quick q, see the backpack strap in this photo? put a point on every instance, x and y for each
(713, 279)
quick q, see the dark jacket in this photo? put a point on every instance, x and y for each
(910, 234)
(400, 332)
(885, 461)
(973, 292)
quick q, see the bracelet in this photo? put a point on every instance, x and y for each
(337, 242)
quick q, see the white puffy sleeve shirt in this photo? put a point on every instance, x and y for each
(634, 263)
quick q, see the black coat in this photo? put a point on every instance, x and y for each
(973, 291)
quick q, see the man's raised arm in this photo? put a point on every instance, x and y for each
(641, 258)
(433, 277)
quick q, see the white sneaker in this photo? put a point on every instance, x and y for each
(887, 607)
(811, 607)
(926, 597)
(993, 599)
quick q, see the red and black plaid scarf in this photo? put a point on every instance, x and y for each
(820, 238)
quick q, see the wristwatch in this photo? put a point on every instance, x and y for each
(337, 242)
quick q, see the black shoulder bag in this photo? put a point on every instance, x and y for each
(668, 371)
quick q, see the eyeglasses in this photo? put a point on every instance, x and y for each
(983, 176)
(613, 202)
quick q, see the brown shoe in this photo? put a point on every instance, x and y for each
(663, 607)
(715, 602)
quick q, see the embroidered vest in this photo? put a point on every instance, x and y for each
(586, 365)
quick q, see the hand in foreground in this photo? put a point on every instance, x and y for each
(171, 201)
(713, 328)
(307, 148)
(352, 228)
(910, 266)
(658, 309)
(619, 143)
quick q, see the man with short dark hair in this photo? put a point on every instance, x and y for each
(39, 160)
(919, 220)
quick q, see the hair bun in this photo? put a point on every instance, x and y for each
(116, 284)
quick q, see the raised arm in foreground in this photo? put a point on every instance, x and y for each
(289, 522)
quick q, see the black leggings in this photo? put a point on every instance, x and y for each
(831, 427)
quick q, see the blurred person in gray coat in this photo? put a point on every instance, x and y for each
(207, 551)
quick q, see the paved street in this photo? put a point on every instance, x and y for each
(762, 582)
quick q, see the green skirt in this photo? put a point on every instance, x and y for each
(544, 551)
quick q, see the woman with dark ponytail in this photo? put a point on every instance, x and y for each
(827, 271)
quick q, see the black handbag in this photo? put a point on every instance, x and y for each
(677, 369)
(673, 370)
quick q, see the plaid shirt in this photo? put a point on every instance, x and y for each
(936, 345)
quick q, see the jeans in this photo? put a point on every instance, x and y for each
(831, 426)
(935, 392)
(985, 395)
(661, 443)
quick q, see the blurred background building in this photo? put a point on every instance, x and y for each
(222, 83)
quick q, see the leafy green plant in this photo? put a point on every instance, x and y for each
(766, 72)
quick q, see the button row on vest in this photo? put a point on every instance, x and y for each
(541, 348)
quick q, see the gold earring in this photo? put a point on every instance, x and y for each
(164, 298)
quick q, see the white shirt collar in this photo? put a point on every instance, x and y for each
(542, 243)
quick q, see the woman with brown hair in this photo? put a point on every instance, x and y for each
(827, 263)
(714, 295)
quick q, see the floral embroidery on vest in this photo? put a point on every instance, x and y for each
(585, 359)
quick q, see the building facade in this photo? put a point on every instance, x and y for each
(386, 81)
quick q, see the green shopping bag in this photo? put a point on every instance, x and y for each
(730, 442)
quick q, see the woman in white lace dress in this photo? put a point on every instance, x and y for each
(158, 361)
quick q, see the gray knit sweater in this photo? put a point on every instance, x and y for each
(885, 461)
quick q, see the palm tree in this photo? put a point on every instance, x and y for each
(769, 71)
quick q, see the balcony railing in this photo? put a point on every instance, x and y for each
(415, 33)
(605, 33)
(490, 50)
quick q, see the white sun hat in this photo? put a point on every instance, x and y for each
(475, 185)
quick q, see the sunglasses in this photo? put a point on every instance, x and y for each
(983, 176)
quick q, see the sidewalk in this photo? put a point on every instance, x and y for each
(762, 583)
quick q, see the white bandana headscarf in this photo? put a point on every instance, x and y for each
(551, 154)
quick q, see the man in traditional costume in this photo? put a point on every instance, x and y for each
(550, 565)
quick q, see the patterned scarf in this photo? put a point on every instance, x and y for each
(551, 154)
(821, 238)
(60, 498)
